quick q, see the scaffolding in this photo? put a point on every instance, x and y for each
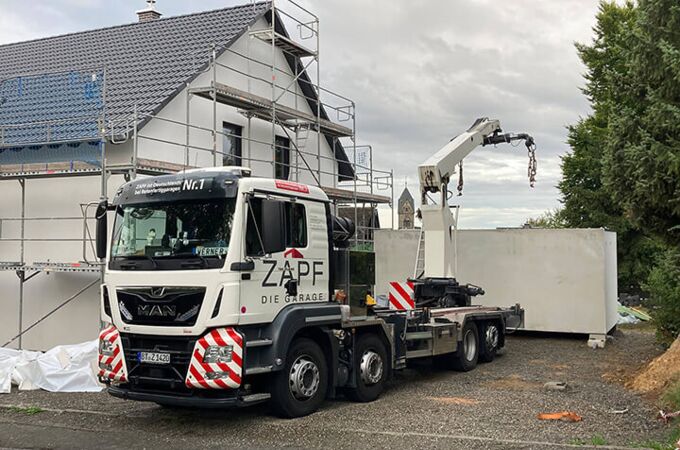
(298, 107)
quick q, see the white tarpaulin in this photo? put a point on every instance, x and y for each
(65, 368)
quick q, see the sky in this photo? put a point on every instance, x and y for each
(420, 72)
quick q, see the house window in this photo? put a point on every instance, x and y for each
(295, 225)
(282, 157)
(231, 144)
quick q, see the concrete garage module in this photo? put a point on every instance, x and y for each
(564, 279)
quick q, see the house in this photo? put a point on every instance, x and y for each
(83, 112)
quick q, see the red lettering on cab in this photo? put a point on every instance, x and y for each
(292, 186)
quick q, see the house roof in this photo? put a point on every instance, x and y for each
(146, 64)
(405, 197)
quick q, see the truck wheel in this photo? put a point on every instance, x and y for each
(465, 358)
(300, 388)
(370, 361)
(489, 337)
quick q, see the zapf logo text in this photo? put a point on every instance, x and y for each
(157, 310)
(306, 270)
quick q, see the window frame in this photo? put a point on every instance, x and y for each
(253, 217)
(236, 132)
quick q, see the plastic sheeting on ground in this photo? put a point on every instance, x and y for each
(631, 315)
(65, 368)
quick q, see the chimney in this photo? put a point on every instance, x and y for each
(149, 13)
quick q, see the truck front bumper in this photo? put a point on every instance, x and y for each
(185, 368)
(231, 400)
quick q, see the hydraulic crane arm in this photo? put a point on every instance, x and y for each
(436, 171)
(435, 174)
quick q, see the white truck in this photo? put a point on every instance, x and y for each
(222, 289)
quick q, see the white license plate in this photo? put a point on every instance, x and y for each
(153, 357)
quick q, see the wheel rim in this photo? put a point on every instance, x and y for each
(470, 345)
(304, 378)
(371, 367)
(491, 337)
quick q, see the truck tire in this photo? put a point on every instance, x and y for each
(370, 361)
(300, 388)
(465, 359)
(489, 338)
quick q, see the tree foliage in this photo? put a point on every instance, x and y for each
(642, 168)
(664, 285)
(549, 219)
(623, 171)
(643, 146)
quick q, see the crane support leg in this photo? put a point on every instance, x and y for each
(438, 225)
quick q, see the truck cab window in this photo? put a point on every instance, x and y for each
(295, 226)
(253, 227)
(173, 230)
(282, 157)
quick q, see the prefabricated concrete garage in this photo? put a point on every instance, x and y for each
(565, 279)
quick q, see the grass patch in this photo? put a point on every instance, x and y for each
(668, 444)
(598, 440)
(595, 440)
(671, 397)
(28, 410)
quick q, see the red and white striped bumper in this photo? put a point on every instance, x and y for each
(401, 296)
(112, 367)
(217, 375)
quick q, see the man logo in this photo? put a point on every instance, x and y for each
(157, 310)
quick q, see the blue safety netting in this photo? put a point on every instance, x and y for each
(51, 117)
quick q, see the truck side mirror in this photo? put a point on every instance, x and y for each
(102, 229)
(273, 226)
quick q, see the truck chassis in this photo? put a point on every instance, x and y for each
(315, 352)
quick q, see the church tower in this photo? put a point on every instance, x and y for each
(406, 210)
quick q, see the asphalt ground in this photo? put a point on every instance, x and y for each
(493, 407)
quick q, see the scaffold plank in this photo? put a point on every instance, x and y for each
(264, 108)
(284, 43)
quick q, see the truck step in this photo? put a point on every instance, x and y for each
(418, 335)
(419, 353)
(256, 398)
(258, 343)
(258, 370)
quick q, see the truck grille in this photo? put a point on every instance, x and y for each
(160, 306)
(160, 376)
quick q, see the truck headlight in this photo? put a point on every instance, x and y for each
(106, 347)
(217, 354)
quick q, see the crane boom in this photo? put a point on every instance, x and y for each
(435, 173)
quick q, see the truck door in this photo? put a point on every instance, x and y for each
(298, 274)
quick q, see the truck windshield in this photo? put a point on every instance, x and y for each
(198, 230)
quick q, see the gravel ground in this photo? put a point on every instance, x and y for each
(492, 407)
